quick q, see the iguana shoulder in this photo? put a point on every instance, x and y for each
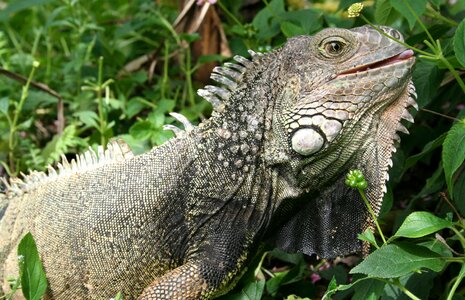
(180, 221)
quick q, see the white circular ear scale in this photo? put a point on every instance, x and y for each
(307, 141)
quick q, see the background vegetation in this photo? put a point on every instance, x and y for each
(76, 73)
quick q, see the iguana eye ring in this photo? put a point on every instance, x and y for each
(333, 47)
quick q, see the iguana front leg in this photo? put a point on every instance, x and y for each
(208, 271)
(185, 282)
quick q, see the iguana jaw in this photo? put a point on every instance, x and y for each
(390, 62)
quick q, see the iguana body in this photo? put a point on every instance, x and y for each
(180, 221)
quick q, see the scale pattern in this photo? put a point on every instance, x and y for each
(181, 221)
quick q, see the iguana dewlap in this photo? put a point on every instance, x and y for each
(181, 221)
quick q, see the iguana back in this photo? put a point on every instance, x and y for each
(180, 221)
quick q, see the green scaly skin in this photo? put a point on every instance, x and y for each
(181, 221)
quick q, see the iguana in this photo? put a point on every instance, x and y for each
(181, 221)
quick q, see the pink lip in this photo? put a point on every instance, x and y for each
(405, 55)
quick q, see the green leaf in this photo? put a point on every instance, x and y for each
(273, 284)
(60, 144)
(427, 78)
(459, 43)
(369, 237)
(370, 289)
(135, 106)
(4, 104)
(459, 194)
(89, 118)
(418, 6)
(331, 289)
(343, 4)
(118, 296)
(395, 260)
(18, 5)
(453, 153)
(421, 223)
(289, 29)
(165, 105)
(384, 12)
(412, 160)
(436, 246)
(211, 58)
(266, 22)
(252, 291)
(309, 20)
(33, 280)
(141, 130)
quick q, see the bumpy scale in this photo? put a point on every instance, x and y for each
(181, 221)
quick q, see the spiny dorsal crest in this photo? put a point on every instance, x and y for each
(405, 115)
(228, 76)
(117, 150)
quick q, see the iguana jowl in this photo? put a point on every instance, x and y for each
(180, 221)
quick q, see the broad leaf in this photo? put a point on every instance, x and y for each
(384, 12)
(141, 130)
(459, 43)
(459, 194)
(412, 160)
(402, 6)
(33, 280)
(427, 78)
(252, 291)
(265, 21)
(395, 260)
(369, 237)
(4, 104)
(421, 223)
(370, 289)
(289, 29)
(453, 153)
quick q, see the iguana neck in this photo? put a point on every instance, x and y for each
(231, 141)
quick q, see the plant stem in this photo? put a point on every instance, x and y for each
(418, 20)
(454, 73)
(459, 235)
(372, 213)
(190, 88)
(439, 114)
(164, 80)
(457, 282)
(101, 112)
(17, 112)
(432, 13)
(230, 15)
(397, 283)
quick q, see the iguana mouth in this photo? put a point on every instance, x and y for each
(401, 57)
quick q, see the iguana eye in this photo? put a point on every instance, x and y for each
(333, 47)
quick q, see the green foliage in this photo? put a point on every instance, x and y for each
(89, 53)
(421, 223)
(459, 43)
(31, 271)
(399, 259)
(453, 153)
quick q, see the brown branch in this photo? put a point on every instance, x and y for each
(45, 88)
(445, 199)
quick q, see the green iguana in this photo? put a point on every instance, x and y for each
(181, 221)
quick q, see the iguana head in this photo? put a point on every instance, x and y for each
(343, 100)
(311, 111)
